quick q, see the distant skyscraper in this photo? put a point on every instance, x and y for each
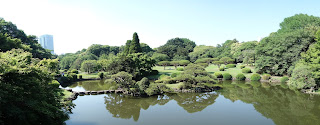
(46, 41)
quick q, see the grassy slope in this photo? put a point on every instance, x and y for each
(233, 71)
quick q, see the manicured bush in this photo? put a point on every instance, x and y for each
(163, 76)
(218, 75)
(174, 74)
(284, 79)
(246, 70)
(255, 77)
(266, 76)
(180, 69)
(227, 76)
(242, 66)
(80, 77)
(240, 77)
(100, 74)
(221, 69)
(74, 71)
(231, 65)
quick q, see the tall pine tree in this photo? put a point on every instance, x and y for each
(133, 46)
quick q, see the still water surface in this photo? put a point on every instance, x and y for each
(241, 103)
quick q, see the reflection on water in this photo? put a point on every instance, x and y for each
(283, 106)
(236, 103)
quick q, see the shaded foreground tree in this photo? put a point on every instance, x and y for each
(27, 95)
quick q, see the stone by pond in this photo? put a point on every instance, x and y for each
(241, 103)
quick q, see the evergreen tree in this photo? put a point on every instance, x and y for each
(135, 44)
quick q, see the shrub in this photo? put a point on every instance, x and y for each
(180, 69)
(174, 74)
(255, 77)
(154, 72)
(284, 79)
(218, 75)
(227, 76)
(242, 66)
(221, 69)
(266, 76)
(100, 74)
(73, 76)
(163, 76)
(231, 65)
(74, 71)
(246, 70)
(240, 77)
(80, 77)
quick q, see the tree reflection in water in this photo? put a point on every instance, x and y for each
(282, 105)
(127, 107)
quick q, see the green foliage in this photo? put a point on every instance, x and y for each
(74, 71)
(164, 64)
(184, 62)
(146, 48)
(266, 76)
(221, 69)
(89, 66)
(194, 74)
(174, 63)
(198, 52)
(218, 75)
(31, 97)
(12, 37)
(231, 65)
(240, 77)
(80, 77)
(227, 76)
(302, 77)
(160, 57)
(284, 79)
(123, 79)
(100, 74)
(246, 70)
(220, 51)
(255, 77)
(72, 77)
(173, 75)
(100, 50)
(177, 47)
(180, 69)
(218, 63)
(133, 46)
(143, 84)
(278, 53)
(137, 64)
(242, 66)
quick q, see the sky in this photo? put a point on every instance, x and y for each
(77, 24)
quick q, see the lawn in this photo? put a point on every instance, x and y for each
(168, 71)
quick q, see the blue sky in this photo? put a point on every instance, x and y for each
(76, 24)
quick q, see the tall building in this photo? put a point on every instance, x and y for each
(46, 41)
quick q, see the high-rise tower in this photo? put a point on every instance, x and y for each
(46, 41)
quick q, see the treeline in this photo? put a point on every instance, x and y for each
(280, 54)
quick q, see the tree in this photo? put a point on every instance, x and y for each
(218, 63)
(89, 66)
(16, 38)
(164, 64)
(146, 48)
(177, 46)
(26, 90)
(184, 63)
(160, 57)
(226, 60)
(124, 79)
(133, 46)
(174, 63)
(198, 52)
(302, 77)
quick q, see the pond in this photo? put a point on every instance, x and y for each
(241, 103)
